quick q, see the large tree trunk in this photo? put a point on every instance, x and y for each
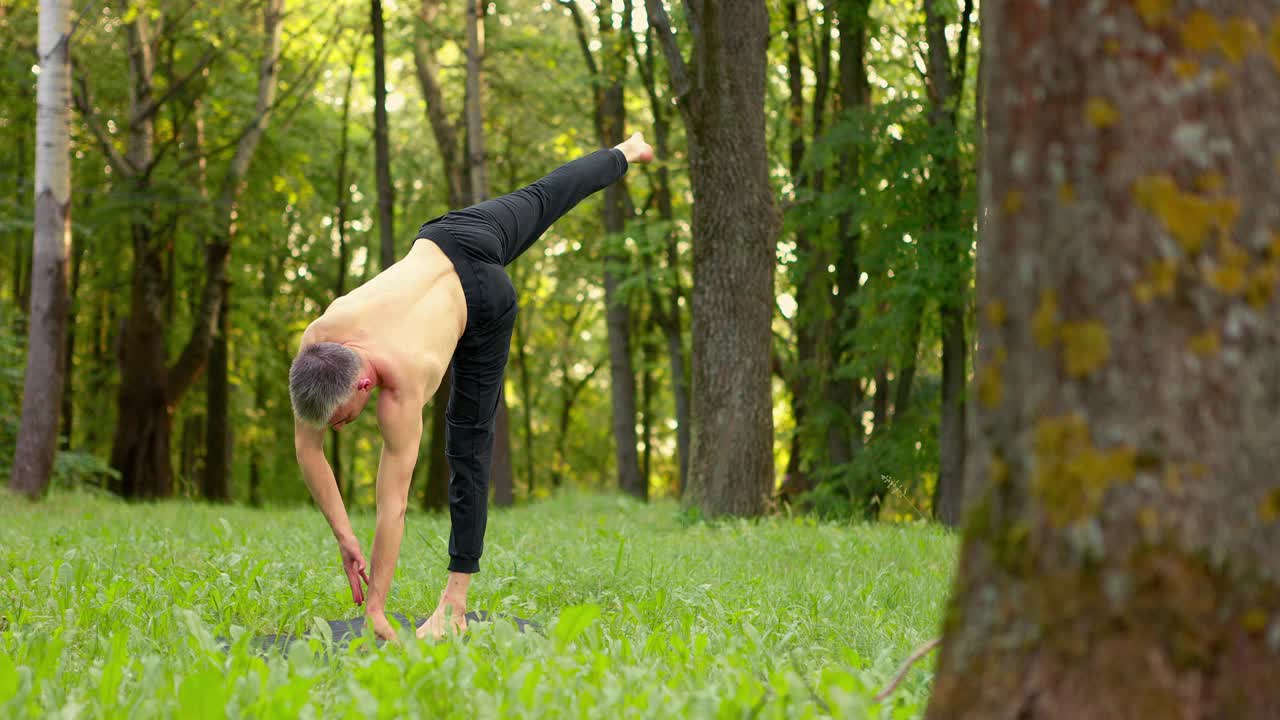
(382, 151)
(735, 226)
(38, 434)
(1119, 559)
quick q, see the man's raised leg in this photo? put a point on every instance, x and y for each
(525, 214)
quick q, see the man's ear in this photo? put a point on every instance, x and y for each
(364, 384)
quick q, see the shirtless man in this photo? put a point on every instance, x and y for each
(448, 301)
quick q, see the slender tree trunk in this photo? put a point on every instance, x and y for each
(523, 322)
(905, 381)
(945, 85)
(42, 387)
(1119, 560)
(255, 480)
(735, 226)
(667, 309)
(500, 476)
(342, 199)
(217, 465)
(445, 130)
(20, 300)
(503, 476)
(457, 179)
(382, 152)
(436, 494)
(612, 113)
(844, 434)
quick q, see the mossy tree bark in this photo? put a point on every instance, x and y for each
(1119, 559)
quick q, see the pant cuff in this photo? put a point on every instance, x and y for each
(463, 565)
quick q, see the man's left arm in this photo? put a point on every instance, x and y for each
(400, 419)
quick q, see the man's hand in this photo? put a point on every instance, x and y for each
(636, 149)
(451, 613)
(381, 626)
(353, 563)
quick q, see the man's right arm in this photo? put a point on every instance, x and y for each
(309, 445)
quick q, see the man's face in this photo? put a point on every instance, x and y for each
(347, 412)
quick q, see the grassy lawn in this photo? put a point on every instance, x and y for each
(111, 610)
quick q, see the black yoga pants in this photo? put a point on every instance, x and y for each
(480, 241)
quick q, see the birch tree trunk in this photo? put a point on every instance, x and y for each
(42, 389)
(1119, 559)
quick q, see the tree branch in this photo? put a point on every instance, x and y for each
(676, 66)
(217, 249)
(906, 667)
(174, 88)
(963, 59)
(84, 103)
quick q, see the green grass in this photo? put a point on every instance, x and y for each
(112, 610)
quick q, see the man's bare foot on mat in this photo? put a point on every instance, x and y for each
(451, 613)
(381, 627)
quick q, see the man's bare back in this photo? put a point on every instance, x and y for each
(408, 319)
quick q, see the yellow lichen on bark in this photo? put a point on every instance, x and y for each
(1101, 113)
(1239, 38)
(1269, 510)
(999, 470)
(1012, 202)
(1072, 475)
(1229, 275)
(1211, 182)
(1067, 193)
(1200, 31)
(1044, 323)
(1273, 46)
(1262, 284)
(1186, 69)
(1206, 344)
(1086, 347)
(1188, 217)
(1255, 621)
(990, 380)
(1162, 276)
(1153, 12)
(996, 313)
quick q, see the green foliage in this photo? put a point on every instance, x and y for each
(909, 234)
(112, 610)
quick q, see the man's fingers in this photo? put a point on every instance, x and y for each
(364, 577)
(357, 594)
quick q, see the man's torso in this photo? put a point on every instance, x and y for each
(410, 316)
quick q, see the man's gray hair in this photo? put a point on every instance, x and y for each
(322, 377)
